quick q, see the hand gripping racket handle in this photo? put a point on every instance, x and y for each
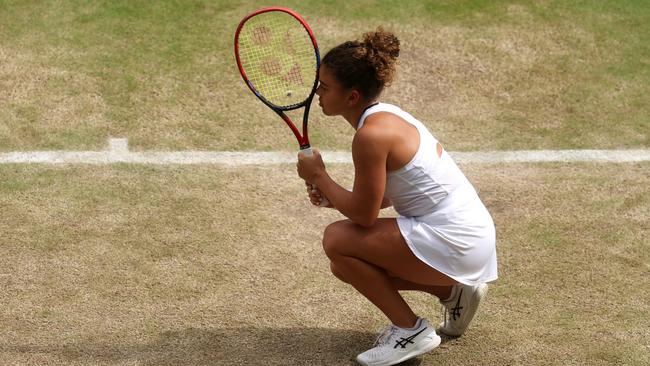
(324, 202)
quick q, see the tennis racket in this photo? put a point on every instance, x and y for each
(278, 58)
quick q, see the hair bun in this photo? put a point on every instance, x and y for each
(367, 65)
(382, 42)
(380, 49)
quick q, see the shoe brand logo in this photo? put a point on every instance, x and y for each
(455, 311)
(405, 341)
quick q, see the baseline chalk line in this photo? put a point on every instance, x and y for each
(118, 152)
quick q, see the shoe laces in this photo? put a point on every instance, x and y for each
(385, 335)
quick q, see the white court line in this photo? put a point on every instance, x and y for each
(118, 152)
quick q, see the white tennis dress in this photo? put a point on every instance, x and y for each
(441, 217)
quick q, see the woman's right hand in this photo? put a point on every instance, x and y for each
(316, 196)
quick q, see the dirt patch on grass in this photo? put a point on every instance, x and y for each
(44, 106)
(471, 86)
(162, 265)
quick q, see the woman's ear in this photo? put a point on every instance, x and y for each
(354, 98)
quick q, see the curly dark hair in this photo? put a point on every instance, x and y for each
(367, 65)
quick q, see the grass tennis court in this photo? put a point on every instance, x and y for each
(210, 266)
(207, 265)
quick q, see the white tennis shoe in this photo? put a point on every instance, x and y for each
(395, 345)
(461, 307)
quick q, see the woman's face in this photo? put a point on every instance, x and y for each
(332, 97)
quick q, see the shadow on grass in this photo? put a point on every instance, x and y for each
(230, 346)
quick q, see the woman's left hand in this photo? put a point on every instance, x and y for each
(309, 167)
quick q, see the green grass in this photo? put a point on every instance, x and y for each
(481, 74)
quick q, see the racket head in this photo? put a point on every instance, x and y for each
(278, 57)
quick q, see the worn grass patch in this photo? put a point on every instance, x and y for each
(205, 265)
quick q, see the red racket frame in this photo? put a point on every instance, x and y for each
(303, 139)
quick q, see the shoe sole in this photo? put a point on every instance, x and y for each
(420, 349)
(476, 300)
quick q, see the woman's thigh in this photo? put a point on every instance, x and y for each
(383, 246)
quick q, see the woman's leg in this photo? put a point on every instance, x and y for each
(364, 258)
(441, 292)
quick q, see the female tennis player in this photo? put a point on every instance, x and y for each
(442, 242)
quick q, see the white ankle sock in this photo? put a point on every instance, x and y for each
(417, 325)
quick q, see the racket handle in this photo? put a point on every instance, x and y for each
(324, 202)
(307, 151)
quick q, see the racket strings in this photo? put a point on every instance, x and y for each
(278, 57)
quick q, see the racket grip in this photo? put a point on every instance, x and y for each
(324, 202)
(307, 151)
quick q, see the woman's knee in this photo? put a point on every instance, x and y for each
(336, 272)
(334, 238)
